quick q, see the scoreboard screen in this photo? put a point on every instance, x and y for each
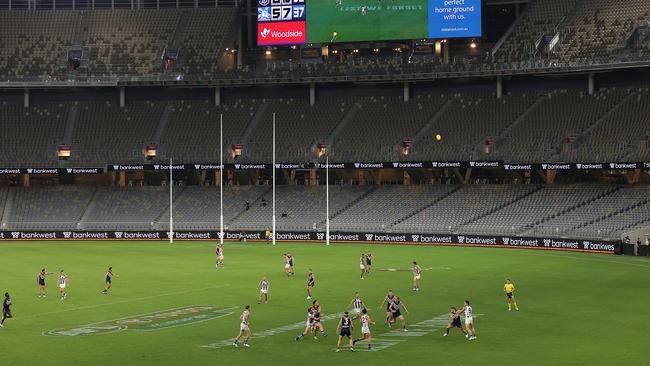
(329, 21)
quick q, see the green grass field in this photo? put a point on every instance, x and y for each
(576, 309)
(382, 22)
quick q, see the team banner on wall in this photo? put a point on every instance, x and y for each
(51, 170)
(496, 241)
(352, 166)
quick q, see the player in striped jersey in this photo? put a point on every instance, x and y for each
(365, 328)
(244, 327)
(287, 265)
(263, 287)
(454, 315)
(344, 329)
(219, 254)
(63, 283)
(469, 320)
(311, 281)
(357, 305)
(417, 272)
(388, 300)
(396, 310)
(290, 259)
(309, 326)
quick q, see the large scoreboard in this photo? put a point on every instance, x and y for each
(328, 21)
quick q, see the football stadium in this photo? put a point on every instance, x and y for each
(357, 181)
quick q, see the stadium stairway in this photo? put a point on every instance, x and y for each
(583, 135)
(503, 206)
(241, 212)
(254, 121)
(351, 113)
(73, 112)
(531, 227)
(88, 209)
(617, 212)
(504, 134)
(422, 208)
(350, 204)
(8, 201)
(162, 221)
(422, 134)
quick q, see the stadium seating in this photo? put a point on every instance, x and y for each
(586, 210)
(30, 135)
(34, 43)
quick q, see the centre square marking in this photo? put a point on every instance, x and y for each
(158, 320)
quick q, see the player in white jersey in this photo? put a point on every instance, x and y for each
(469, 321)
(287, 265)
(244, 327)
(309, 326)
(417, 273)
(63, 283)
(263, 287)
(219, 254)
(365, 328)
(362, 264)
(357, 305)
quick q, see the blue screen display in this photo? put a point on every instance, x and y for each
(454, 18)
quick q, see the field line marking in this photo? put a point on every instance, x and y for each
(271, 332)
(227, 310)
(124, 301)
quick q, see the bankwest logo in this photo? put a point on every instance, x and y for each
(589, 166)
(622, 165)
(281, 33)
(407, 165)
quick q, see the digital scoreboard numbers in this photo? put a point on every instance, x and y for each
(281, 22)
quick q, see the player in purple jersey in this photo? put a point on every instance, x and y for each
(6, 309)
(108, 280)
(40, 279)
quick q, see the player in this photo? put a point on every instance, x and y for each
(335, 36)
(219, 253)
(454, 315)
(388, 300)
(267, 235)
(244, 327)
(41, 282)
(362, 264)
(509, 289)
(364, 10)
(369, 259)
(263, 287)
(290, 258)
(311, 281)
(6, 309)
(108, 280)
(417, 272)
(338, 4)
(365, 328)
(309, 325)
(63, 283)
(395, 309)
(344, 329)
(287, 265)
(317, 323)
(357, 304)
(469, 321)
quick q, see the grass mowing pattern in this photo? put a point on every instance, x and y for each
(576, 309)
(385, 20)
